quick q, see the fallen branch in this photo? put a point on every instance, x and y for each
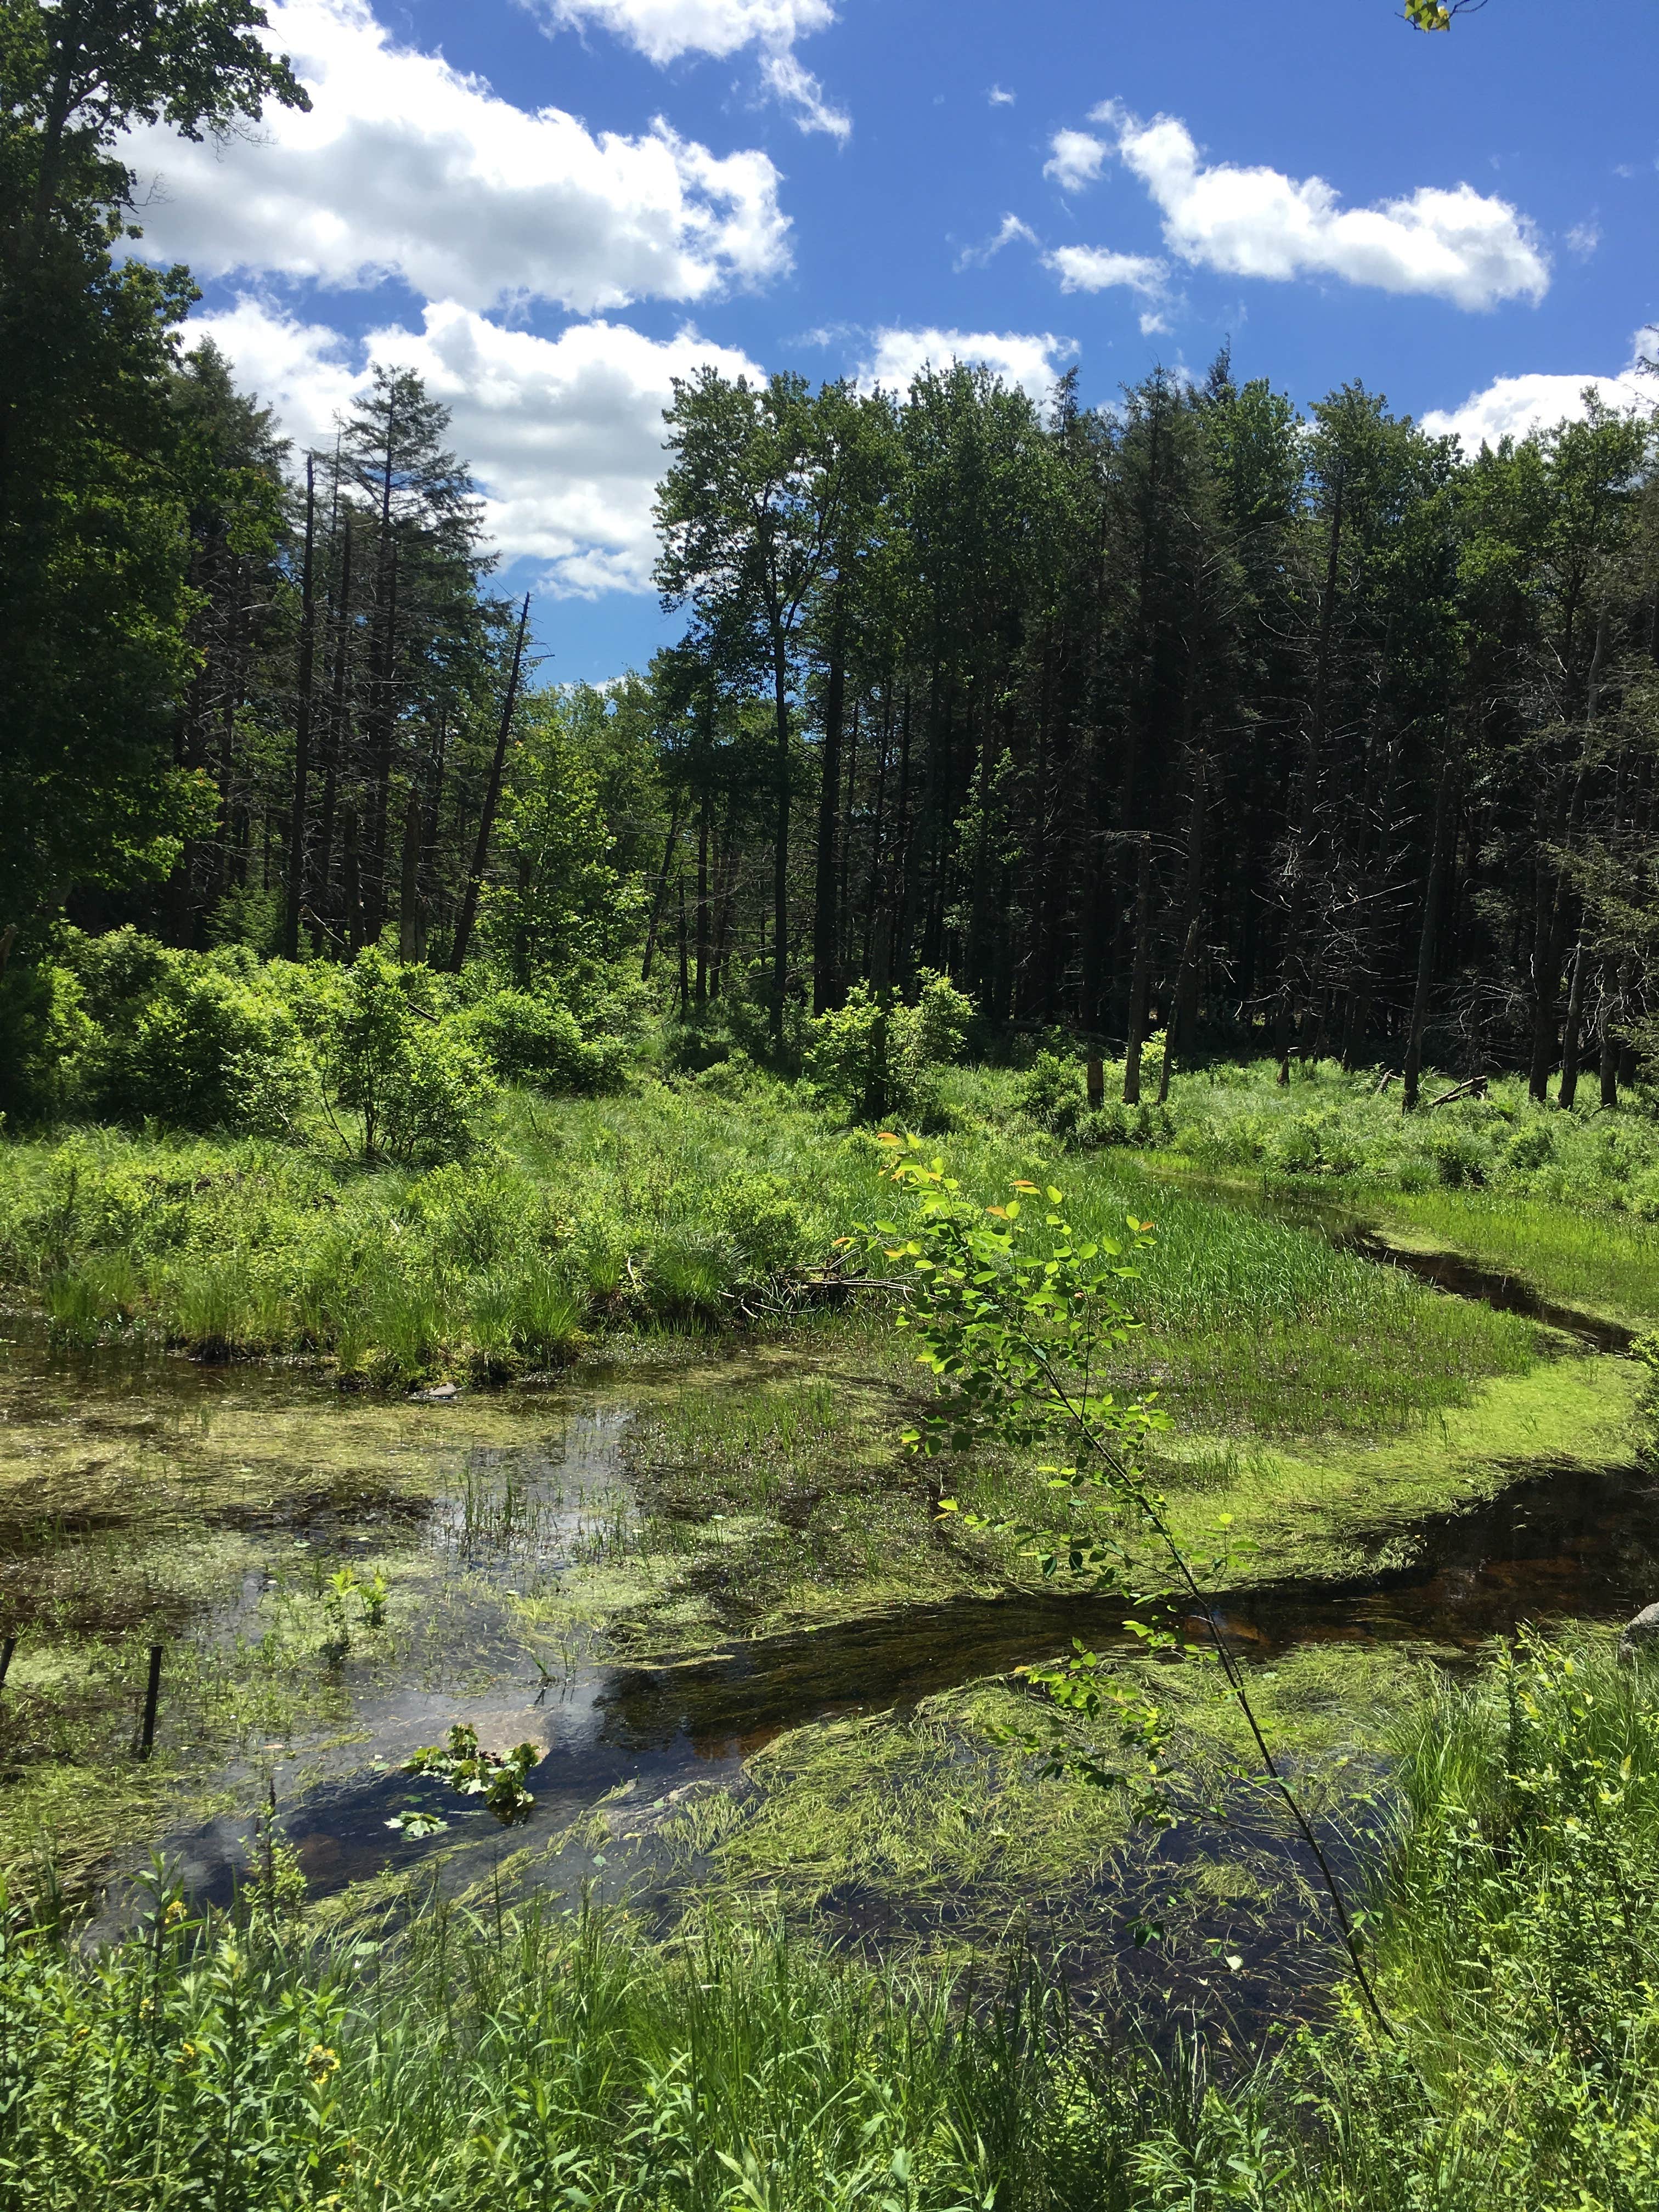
(1475, 1087)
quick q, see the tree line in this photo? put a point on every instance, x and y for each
(1188, 712)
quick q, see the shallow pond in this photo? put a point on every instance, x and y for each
(140, 1494)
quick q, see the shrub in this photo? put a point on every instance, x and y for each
(875, 1058)
(1316, 1143)
(1459, 1157)
(1530, 1147)
(1052, 1095)
(764, 1225)
(127, 1030)
(406, 1077)
(531, 1038)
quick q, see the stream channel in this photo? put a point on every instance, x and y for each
(495, 1496)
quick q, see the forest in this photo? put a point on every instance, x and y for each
(1188, 714)
(860, 1423)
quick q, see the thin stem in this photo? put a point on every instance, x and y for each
(1134, 1488)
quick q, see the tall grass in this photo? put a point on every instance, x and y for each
(532, 2060)
(664, 1208)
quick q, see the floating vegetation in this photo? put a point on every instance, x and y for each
(497, 1776)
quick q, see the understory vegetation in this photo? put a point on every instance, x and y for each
(656, 1783)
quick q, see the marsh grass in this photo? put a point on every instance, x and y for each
(662, 1209)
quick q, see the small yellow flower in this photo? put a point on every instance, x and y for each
(174, 1915)
(322, 2062)
(187, 2052)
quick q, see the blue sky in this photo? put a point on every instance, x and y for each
(550, 207)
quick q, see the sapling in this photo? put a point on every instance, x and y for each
(1016, 1329)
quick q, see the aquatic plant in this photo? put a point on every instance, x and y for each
(497, 1776)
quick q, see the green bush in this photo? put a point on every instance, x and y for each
(876, 1058)
(764, 1225)
(399, 1080)
(531, 1038)
(122, 1029)
(1051, 1093)
(1461, 1158)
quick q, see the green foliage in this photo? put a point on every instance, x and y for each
(94, 604)
(560, 908)
(497, 1776)
(532, 1038)
(399, 1081)
(1051, 1093)
(1019, 1331)
(875, 1057)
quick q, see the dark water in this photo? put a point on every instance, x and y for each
(1569, 1544)
(1491, 1287)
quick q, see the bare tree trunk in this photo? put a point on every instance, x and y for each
(1610, 998)
(1184, 998)
(296, 827)
(1445, 812)
(1569, 1086)
(1188, 968)
(338, 718)
(409, 888)
(492, 798)
(380, 789)
(660, 898)
(1552, 900)
(1139, 974)
(1301, 849)
(780, 844)
(703, 898)
(825, 964)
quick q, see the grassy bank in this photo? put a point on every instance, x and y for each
(520, 2057)
(1567, 1201)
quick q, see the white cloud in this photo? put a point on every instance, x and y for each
(999, 98)
(978, 257)
(1075, 159)
(665, 30)
(1511, 406)
(1017, 357)
(407, 167)
(564, 434)
(1457, 244)
(1584, 238)
(799, 88)
(1096, 268)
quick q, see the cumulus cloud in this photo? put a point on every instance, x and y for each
(564, 434)
(407, 167)
(1454, 244)
(999, 98)
(1096, 268)
(1584, 238)
(1017, 357)
(1511, 406)
(978, 257)
(665, 30)
(1075, 159)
